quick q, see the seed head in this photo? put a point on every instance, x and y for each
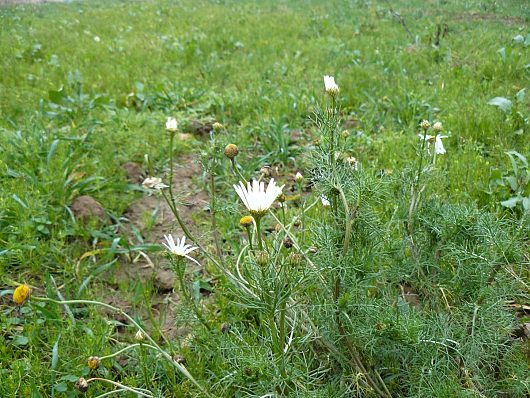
(21, 294)
(425, 125)
(81, 384)
(246, 221)
(345, 134)
(94, 362)
(231, 151)
(288, 242)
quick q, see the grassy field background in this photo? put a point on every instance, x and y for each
(86, 87)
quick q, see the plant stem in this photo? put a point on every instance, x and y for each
(215, 232)
(168, 357)
(258, 231)
(187, 295)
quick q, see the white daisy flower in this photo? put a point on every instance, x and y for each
(331, 87)
(180, 248)
(438, 145)
(437, 140)
(154, 183)
(325, 201)
(256, 198)
(171, 124)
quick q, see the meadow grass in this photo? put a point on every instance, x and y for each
(87, 86)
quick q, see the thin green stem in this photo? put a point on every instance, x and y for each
(258, 232)
(177, 365)
(131, 389)
(187, 294)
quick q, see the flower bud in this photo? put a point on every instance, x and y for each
(298, 177)
(217, 126)
(262, 258)
(139, 336)
(282, 198)
(246, 221)
(231, 151)
(425, 124)
(94, 363)
(81, 384)
(345, 134)
(171, 125)
(21, 294)
(295, 259)
(437, 127)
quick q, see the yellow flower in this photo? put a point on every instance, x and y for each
(21, 294)
(246, 221)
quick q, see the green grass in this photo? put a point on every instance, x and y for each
(87, 86)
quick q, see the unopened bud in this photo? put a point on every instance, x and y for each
(425, 124)
(262, 258)
(139, 336)
(217, 126)
(231, 151)
(437, 127)
(298, 177)
(295, 259)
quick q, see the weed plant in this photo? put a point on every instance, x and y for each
(367, 241)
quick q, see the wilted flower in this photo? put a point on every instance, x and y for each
(180, 359)
(171, 125)
(180, 248)
(21, 294)
(265, 170)
(353, 162)
(256, 198)
(330, 86)
(295, 259)
(437, 127)
(299, 177)
(325, 201)
(425, 124)
(231, 151)
(94, 363)
(153, 183)
(81, 384)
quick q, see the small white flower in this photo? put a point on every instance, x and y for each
(171, 124)
(256, 198)
(437, 140)
(439, 146)
(180, 248)
(298, 177)
(325, 201)
(97, 39)
(331, 87)
(154, 183)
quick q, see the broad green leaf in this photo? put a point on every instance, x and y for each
(502, 103)
(511, 203)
